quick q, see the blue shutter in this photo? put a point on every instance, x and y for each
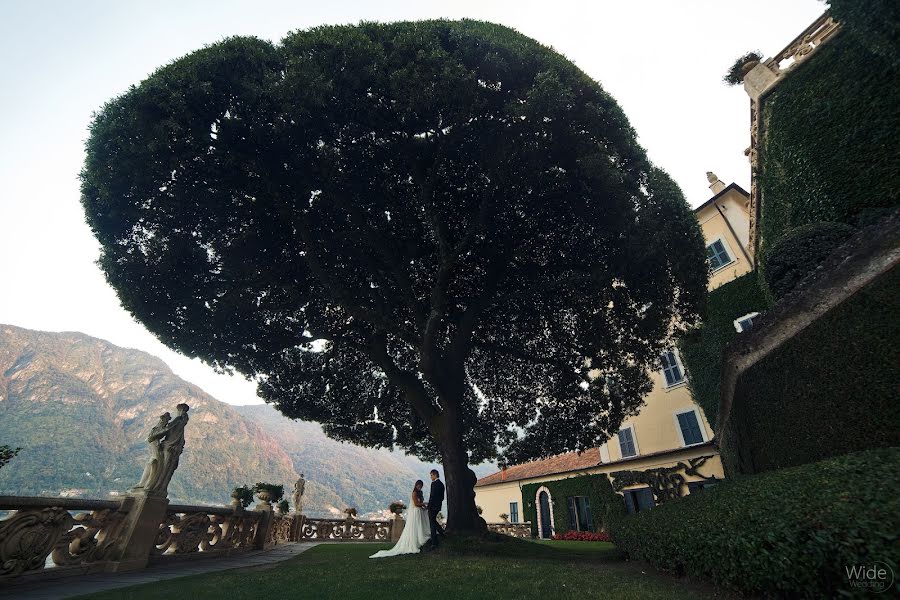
(573, 520)
(690, 428)
(629, 503)
(645, 499)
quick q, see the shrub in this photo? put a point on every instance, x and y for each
(275, 491)
(823, 158)
(284, 507)
(783, 533)
(701, 350)
(799, 252)
(583, 536)
(244, 495)
(397, 507)
(351, 512)
(829, 390)
(735, 75)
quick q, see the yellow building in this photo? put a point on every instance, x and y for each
(670, 432)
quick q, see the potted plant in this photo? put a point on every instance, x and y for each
(283, 506)
(741, 67)
(269, 492)
(504, 517)
(351, 513)
(241, 496)
(397, 508)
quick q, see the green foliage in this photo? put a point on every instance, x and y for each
(787, 533)
(283, 506)
(436, 203)
(735, 75)
(874, 23)
(604, 502)
(276, 492)
(701, 350)
(244, 494)
(7, 454)
(829, 390)
(830, 145)
(799, 252)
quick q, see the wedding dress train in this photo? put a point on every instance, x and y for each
(415, 534)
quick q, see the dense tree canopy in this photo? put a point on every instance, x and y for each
(420, 234)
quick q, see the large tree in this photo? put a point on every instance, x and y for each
(438, 236)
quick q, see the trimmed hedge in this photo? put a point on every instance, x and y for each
(830, 145)
(605, 503)
(875, 23)
(830, 390)
(701, 349)
(799, 252)
(785, 533)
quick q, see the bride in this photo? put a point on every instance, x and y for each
(416, 532)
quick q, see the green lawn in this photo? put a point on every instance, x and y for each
(518, 571)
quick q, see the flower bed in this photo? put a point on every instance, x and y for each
(583, 536)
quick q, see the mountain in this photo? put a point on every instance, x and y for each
(362, 476)
(80, 408)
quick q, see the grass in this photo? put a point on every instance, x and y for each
(519, 571)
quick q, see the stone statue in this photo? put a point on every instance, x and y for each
(299, 488)
(151, 471)
(166, 445)
(711, 177)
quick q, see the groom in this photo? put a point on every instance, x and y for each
(435, 500)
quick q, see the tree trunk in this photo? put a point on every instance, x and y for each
(462, 516)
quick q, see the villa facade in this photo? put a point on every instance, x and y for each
(670, 432)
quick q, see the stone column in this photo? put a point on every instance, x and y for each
(145, 513)
(397, 525)
(265, 525)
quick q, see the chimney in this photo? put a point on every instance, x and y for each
(715, 184)
(503, 473)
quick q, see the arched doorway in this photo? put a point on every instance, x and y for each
(544, 505)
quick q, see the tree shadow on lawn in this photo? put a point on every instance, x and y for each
(462, 569)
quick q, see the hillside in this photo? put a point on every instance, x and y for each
(81, 407)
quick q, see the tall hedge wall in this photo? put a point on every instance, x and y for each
(830, 390)
(701, 350)
(788, 533)
(605, 503)
(830, 146)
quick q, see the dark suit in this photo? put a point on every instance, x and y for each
(435, 500)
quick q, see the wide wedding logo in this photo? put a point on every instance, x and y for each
(877, 576)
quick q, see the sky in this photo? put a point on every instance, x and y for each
(662, 60)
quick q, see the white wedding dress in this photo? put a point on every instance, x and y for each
(415, 534)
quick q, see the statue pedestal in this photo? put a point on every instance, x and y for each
(397, 526)
(145, 513)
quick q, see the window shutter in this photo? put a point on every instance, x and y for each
(629, 503)
(573, 521)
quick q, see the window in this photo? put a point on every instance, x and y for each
(717, 255)
(691, 430)
(744, 323)
(671, 368)
(513, 512)
(626, 442)
(638, 500)
(580, 518)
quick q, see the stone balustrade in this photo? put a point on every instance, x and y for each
(207, 530)
(517, 530)
(65, 535)
(345, 530)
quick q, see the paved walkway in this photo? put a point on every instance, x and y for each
(99, 582)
